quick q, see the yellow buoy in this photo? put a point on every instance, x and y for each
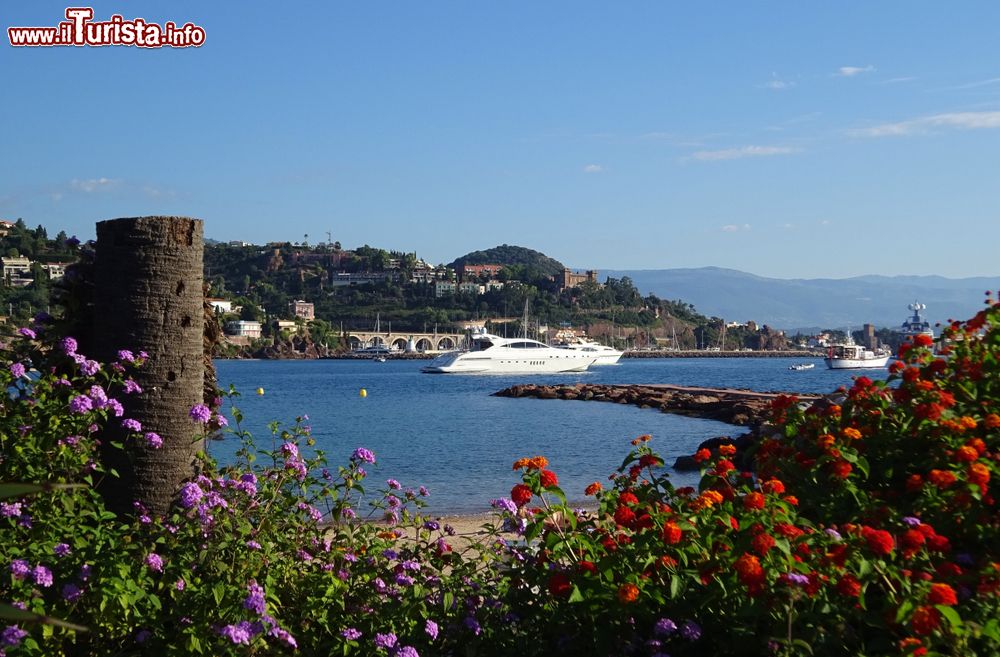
(260, 391)
(363, 393)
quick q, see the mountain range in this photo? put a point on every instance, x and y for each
(807, 304)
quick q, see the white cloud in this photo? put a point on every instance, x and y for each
(92, 184)
(908, 78)
(777, 84)
(735, 228)
(851, 71)
(741, 152)
(593, 168)
(973, 85)
(924, 124)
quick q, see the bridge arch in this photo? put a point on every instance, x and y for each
(445, 343)
(376, 341)
(424, 344)
(353, 342)
(398, 343)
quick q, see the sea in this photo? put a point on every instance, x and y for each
(451, 435)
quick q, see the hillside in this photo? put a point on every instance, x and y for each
(819, 302)
(512, 256)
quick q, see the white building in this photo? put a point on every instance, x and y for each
(221, 306)
(244, 329)
(442, 288)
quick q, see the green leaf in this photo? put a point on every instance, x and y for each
(951, 615)
(576, 596)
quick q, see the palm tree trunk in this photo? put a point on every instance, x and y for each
(149, 297)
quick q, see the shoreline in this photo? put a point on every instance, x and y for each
(628, 355)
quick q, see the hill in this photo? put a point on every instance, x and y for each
(823, 302)
(512, 256)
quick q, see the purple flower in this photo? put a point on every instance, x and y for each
(99, 397)
(220, 421)
(253, 545)
(393, 484)
(180, 584)
(154, 440)
(255, 601)
(503, 504)
(665, 627)
(200, 413)
(80, 404)
(410, 564)
(131, 387)
(42, 576)
(385, 640)
(27, 332)
(61, 550)
(155, 562)
(12, 636)
(348, 514)
(423, 491)
(432, 525)
(68, 345)
(473, 625)
(798, 580)
(404, 580)
(911, 521)
(237, 633)
(71, 592)
(17, 370)
(126, 356)
(351, 634)
(19, 568)
(362, 454)
(142, 636)
(132, 425)
(833, 533)
(431, 628)
(191, 493)
(691, 631)
(11, 510)
(90, 367)
(116, 407)
(407, 651)
(283, 635)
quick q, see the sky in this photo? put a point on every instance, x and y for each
(786, 139)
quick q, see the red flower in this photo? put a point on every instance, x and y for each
(925, 620)
(849, 586)
(879, 541)
(841, 469)
(672, 534)
(942, 478)
(628, 498)
(520, 494)
(594, 488)
(702, 454)
(647, 460)
(923, 340)
(773, 486)
(750, 572)
(753, 501)
(911, 540)
(966, 454)
(549, 479)
(559, 585)
(628, 593)
(762, 543)
(624, 516)
(587, 567)
(942, 594)
(979, 474)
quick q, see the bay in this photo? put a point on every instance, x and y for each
(448, 433)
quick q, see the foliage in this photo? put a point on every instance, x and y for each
(869, 527)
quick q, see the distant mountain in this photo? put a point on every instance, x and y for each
(506, 254)
(819, 302)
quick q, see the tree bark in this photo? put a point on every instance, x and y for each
(149, 297)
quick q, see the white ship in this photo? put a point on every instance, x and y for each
(851, 356)
(491, 354)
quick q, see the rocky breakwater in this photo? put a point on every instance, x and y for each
(745, 408)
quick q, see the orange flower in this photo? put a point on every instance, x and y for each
(992, 421)
(773, 486)
(593, 489)
(727, 450)
(753, 501)
(966, 454)
(549, 479)
(942, 478)
(672, 534)
(942, 594)
(826, 441)
(520, 463)
(851, 433)
(762, 543)
(628, 593)
(968, 422)
(538, 463)
(750, 572)
(979, 474)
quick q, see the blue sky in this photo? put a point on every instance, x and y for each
(781, 138)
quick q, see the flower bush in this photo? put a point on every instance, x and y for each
(867, 526)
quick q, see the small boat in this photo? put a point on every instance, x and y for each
(491, 354)
(798, 367)
(380, 359)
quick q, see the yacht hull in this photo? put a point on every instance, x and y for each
(469, 363)
(856, 363)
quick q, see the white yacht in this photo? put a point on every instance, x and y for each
(491, 354)
(850, 356)
(605, 355)
(916, 325)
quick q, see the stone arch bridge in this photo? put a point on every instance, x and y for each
(398, 340)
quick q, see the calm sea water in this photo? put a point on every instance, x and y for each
(448, 433)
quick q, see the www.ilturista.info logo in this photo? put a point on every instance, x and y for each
(79, 29)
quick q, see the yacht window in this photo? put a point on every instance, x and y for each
(519, 345)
